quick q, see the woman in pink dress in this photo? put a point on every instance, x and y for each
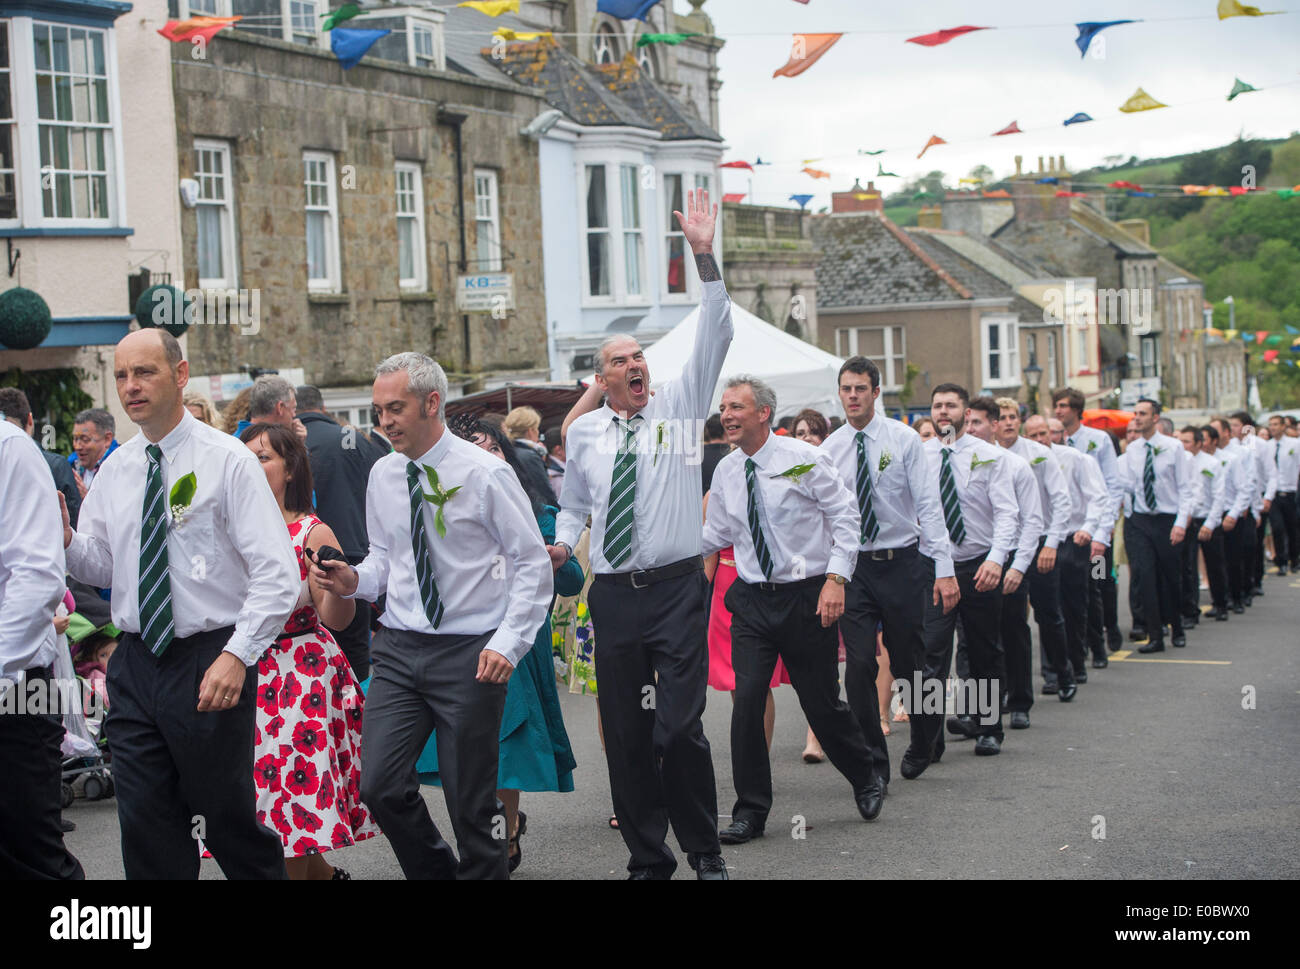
(307, 763)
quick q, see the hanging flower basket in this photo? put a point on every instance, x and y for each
(25, 319)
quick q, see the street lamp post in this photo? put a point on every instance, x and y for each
(1033, 373)
(1245, 350)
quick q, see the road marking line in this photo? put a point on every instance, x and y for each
(1127, 656)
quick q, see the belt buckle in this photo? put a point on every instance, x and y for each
(631, 577)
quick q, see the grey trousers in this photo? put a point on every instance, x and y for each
(419, 683)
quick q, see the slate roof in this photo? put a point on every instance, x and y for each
(465, 32)
(866, 260)
(941, 248)
(1092, 220)
(652, 102)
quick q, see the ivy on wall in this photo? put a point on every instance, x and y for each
(56, 397)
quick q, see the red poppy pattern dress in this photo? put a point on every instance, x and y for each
(307, 763)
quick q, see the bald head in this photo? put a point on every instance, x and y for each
(151, 375)
(1057, 430)
(1036, 429)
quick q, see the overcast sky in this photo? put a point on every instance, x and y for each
(873, 90)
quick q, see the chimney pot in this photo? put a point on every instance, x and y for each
(1040, 164)
(1061, 166)
(1019, 159)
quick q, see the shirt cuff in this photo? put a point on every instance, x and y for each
(367, 585)
(509, 645)
(943, 568)
(998, 556)
(1180, 521)
(1052, 542)
(243, 649)
(840, 565)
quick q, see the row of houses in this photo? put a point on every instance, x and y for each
(504, 206)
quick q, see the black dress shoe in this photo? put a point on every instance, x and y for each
(1257, 591)
(1100, 664)
(869, 799)
(1180, 640)
(884, 788)
(1050, 688)
(708, 868)
(1019, 721)
(1080, 676)
(1281, 570)
(1222, 616)
(1156, 647)
(1067, 693)
(1136, 634)
(964, 727)
(648, 875)
(1238, 608)
(1214, 612)
(913, 766)
(988, 746)
(1191, 620)
(740, 831)
(67, 825)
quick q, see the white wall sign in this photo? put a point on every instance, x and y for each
(485, 292)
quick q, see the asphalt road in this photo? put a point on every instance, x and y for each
(1164, 756)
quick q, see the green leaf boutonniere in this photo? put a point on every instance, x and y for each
(1092, 446)
(182, 494)
(439, 498)
(977, 463)
(1039, 460)
(1207, 472)
(885, 458)
(1157, 450)
(797, 472)
(659, 441)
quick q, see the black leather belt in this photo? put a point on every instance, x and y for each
(647, 577)
(784, 586)
(889, 554)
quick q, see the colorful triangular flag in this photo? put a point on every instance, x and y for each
(1048, 180)
(878, 151)
(505, 33)
(493, 8)
(645, 40)
(942, 36)
(806, 50)
(1141, 101)
(622, 9)
(934, 140)
(350, 45)
(1077, 118)
(759, 161)
(205, 27)
(737, 164)
(881, 173)
(1132, 193)
(1231, 8)
(1261, 336)
(1270, 356)
(335, 17)
(1121, 183)
(1011, 129)
(733, 196)
(815, 172)
(803, 200)
(1240, 87)
(1089, 30)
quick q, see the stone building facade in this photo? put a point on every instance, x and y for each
(772, 265)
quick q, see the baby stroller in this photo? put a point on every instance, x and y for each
(86, 770)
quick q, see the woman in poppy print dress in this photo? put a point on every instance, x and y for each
(307, 765)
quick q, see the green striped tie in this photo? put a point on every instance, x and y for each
(870, 527)
(755, 529)
(622, 496)
(951, 503)
(1149, 479)
(155, 587)
(420, 546)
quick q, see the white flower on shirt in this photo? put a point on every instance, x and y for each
(885, 458)
(182, 494)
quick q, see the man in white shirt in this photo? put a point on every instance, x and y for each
(1239, 523)
(1207, 515)
(183, 525)
(633, 466)
(1283, 518)
(456, 549)
(1103, 612)
(1212, 539)
(1266, 473)
(1085, 541)
(31, 586)
(903, 556)
(978, 496)
(794, 525)
(1160, 475)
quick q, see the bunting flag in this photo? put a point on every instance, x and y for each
(205, 27)
(1071, 195)
(1231, 8)
(997, 193)
(645, 40)
(1237, 190)
(1261, 336)
(737, 164)
(1193, 189)
(1120, 183)
(1291, 329)
(815, 172)
(881, 173)
(1240, 87)
(759, 161)
(1141, 101)
(942, 36)
(1048, 180)
(878, 151)
(1230, 334)
(335, 17)
(1273, 340)
(803, 200)
(1214, 331)
(505, 33)
(495, 8)
(970, 181)
(865, 196)
(922, 196)
(1287, 193)
(1295, 345)
(350, 45)
(1132, 193)
(1212, 191)
(809, 161)
(1011, 129)
(622, 9)
(1270, 356)
(733, 196)
(934, 140)
(1077, 118)
(806, 51)
(1089, 30)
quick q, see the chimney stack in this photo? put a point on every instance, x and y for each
(857, 199)
(1019, 159)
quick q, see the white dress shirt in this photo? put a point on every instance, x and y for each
(1266, 471)
(1029, 511)
(667, 522)
(1211, 479)
(230, 560)
(1088, 498)
(1236, 492)
(1286, 458)
(32, 580)
(491, 568)
(811, 523)
(1248, 473)
(1097, 444)
(1053, 491)
(987, 494)
(904, 494)
(1175, 489)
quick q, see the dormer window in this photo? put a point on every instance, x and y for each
(302, 23)
(606, 49)
(645, 60)
(426, 45)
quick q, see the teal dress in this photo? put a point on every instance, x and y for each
(535, 750)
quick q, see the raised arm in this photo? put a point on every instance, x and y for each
(588, 402)
(714, 330)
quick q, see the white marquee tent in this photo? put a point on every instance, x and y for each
(801, 374)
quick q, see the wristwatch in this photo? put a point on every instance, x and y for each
(837, 579)
(568, 552)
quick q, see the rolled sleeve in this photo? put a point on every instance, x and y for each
(531, 579)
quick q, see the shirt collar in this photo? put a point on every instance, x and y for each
(610, 416)
(764, 455)
(966, 441)
(176, 437)
(874, 427)
(436, 453)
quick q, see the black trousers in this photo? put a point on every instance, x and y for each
(767, 623)
(421, 683)
(1284, 522)
(1043, 592)
(1189, 588)
(891, 593)
(981, 616)
(1216, 569)
(1239, 550)
(181, 774)
(1074, 568)
(1257, 562)
(1158, 568)
(1136, 607)
(31, 765)
(652, 663)
(1103, 609)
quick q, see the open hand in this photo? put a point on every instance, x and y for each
(988, 576)
(67, 521)
(698, 223)
(948, 592)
